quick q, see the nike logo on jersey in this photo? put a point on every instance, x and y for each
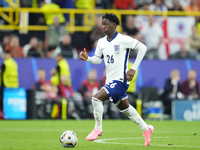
(102, 48)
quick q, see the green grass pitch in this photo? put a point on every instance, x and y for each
(117, 135)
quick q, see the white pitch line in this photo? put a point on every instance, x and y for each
(50, 129)
(109, 139)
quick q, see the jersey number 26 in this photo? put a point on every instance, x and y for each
(110, 59)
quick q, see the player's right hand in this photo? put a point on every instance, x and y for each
(83, 55)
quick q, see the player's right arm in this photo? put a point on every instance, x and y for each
(83, 55)
(96, 59)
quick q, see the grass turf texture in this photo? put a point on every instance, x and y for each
(117, 135)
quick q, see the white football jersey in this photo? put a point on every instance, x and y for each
(115, 54)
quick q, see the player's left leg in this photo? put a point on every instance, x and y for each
(133, 115)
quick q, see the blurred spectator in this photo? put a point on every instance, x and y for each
(81, 4)
(183, 53)
(169, 3)
(190, 86)
(172, 91)
(88, 88)
(49, 17)
(140, 3)
(62, 68)
(103, 4)
(68, 4)
(44, 85)
(37, 50)
(66, 48)
(32, 43)
(130, 28)
(6, 40)
(152, 36)
(45, 95)
(158, 5)
(194, 41)
(176, 6)
(184, 3)
(125, 4)
(76, 107)
(144, 6)
(192, 6)
(9, 75)
(96, 31)
(14, 47)
(53, 35)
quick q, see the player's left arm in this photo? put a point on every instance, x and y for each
(140, 55)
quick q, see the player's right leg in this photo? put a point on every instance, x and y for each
(97, 100)
(133, 115)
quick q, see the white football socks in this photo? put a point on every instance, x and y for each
(135, 117)
(98, 113)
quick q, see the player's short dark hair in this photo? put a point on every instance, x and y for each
(112, 17)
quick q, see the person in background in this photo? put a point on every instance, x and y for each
(130, 29)
(82, 4)
(53, 35)
(176, 6)
(36, 50)
(190, 86)
(183, 53)
(9, 75)
(103, 4)
(76, 109)
(158, 5)
(172, 91)
(32, 43)
(44, 93)
(49, 17)
(66, 48)
(42, 84)
(62, 68)
(96, 31)
(88, 88)
(192, 7)
(152, 36)
(194, 41)
(124, 5)
(14, 47)
(6, 40)
(67, 4)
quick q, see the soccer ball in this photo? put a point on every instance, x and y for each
(68, 139)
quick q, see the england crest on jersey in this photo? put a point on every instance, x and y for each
(117, 48)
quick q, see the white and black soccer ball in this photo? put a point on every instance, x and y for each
(68, 139)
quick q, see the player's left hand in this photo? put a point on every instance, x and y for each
(130, 74)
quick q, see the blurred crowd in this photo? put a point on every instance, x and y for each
(59, 43)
